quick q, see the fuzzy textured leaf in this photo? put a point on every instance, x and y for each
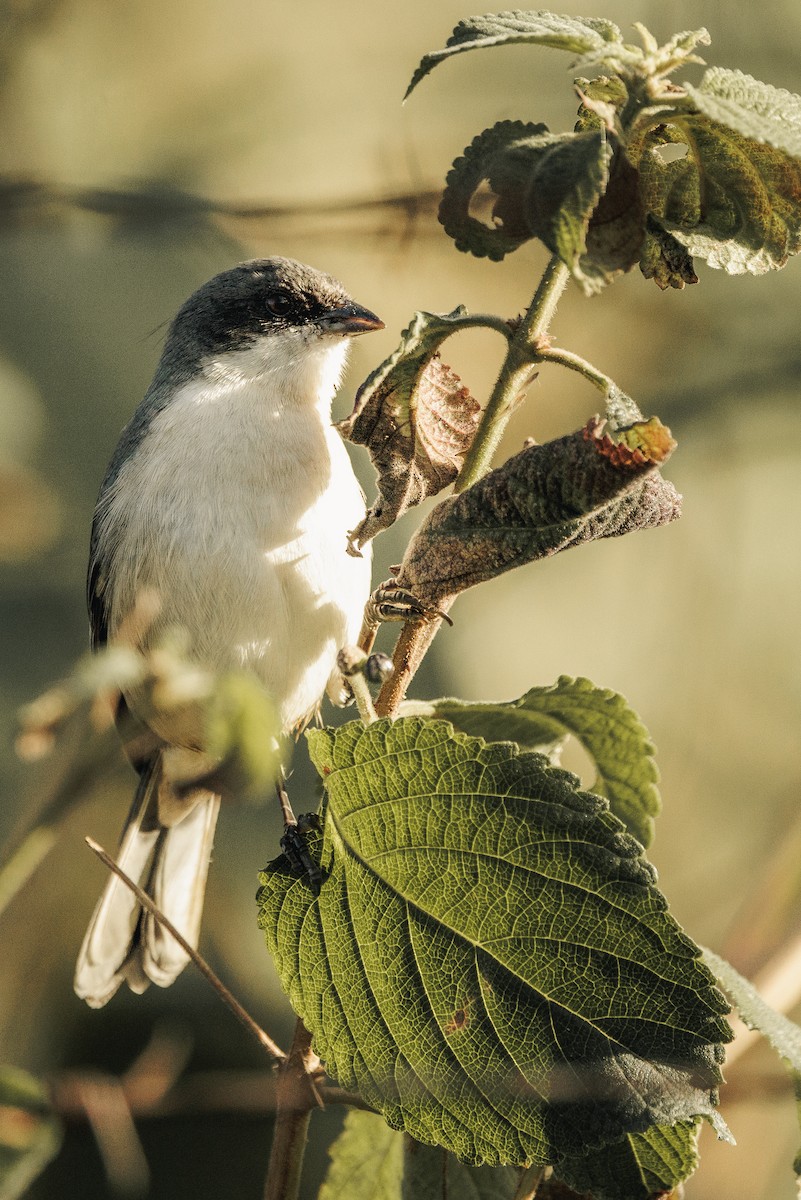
(565, 187)
(30, 1134)
(751, 108)
(545, 499)
(416, 419)
(489, 962)
(589, 37)
(783, 1035)
(641, 1167)
(602, 720)
(505, 156)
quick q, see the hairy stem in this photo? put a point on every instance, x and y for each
(296, 1096)
(410, 649)
(415, 638)
(513, 375)
(574, 362)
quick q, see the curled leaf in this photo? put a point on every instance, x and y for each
(503, 155)
(545, 499)
(755, 110)
(417, 420)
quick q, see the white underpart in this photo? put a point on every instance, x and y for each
(235, 509)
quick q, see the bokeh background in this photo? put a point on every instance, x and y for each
(146, 146)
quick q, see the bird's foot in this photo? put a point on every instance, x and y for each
(390, 602)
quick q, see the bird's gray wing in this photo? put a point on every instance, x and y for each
(96, 581)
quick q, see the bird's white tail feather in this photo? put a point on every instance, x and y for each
(171, 865)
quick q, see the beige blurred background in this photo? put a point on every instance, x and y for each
(148, 145)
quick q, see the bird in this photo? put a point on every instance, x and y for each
(229, 499)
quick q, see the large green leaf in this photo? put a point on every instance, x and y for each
(30, 1134)
(642, 1166)
(603, 721)
(592, 38)
(488, 961)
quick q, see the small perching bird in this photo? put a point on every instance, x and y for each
(229, 498)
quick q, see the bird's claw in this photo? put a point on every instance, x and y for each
(390, 602)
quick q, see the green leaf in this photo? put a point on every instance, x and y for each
(592, 38)
(565, 187)
(640, 1167)
(753, 109)
(737, 204)
(607, 727)
(30, 1134)
(544, 500)
(366, 1160)
(371, 1161)
(488, 962)
(430, 1173)
(416, 419)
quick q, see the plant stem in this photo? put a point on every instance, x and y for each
(523, 352)
(410, 649)
(296, 1096)
(574, 362)
(515, 371)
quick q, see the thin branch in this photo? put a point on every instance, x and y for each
(410, 649)
(296, 1097)
(244, 1017)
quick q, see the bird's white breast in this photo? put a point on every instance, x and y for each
(235, 509)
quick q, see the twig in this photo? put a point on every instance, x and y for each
(244, 1017)
(296, 1096)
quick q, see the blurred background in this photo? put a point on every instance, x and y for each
(147, 146)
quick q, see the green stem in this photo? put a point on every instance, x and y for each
(515, 371)
(574, 362)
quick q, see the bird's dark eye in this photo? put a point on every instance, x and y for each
(279, 304)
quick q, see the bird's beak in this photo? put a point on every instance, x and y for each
(350, 319)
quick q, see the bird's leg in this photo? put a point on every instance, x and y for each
(293, 843)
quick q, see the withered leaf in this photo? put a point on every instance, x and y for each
(547, 498)
(417, 420)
